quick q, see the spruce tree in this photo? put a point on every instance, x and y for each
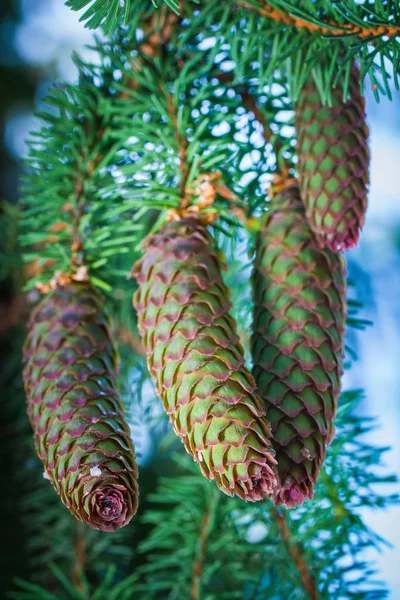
(208, 137)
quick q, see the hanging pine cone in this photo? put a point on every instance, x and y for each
(297, 344)
(333, 153)
(196, 360)
(73, 405)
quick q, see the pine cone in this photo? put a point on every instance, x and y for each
(297, 344)
(333, 153)
(197, 363)
(73, 405)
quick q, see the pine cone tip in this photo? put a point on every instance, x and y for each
(341, 243)
(259, 485)
(108, 507)
(263, 485)
(294, 495)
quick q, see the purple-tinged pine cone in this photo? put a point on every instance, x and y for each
(197, 363)
(74, 407)
(299, 296)
(332, 146)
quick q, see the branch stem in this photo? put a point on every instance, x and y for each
(182, 146)
(206, 527)
(296, 551)
(83, 174)
(129, 338)
(79, 564)
(250, 103)
(329, 28)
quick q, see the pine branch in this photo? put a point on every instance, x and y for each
(80, 557)
(70, 162)
(262, 46)
(289, 35)
(129, 338)
(79, 203)
(166, 102)
(180, 510)
(109, 587)
(205, 530)
(114, 12)
(295, 17)
(107, 14)
(297, 554)
(182, 148)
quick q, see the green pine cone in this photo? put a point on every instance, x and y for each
(197, 363)
(332, 147)
(299, 320)
(74, 408)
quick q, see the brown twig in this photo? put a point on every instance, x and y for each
(80, 557)
(158, 30)
(329, 28)
(78, 210)
(182, 145)
(250, 103)
(296, 552)
(198, 566)
(128, 338)
(12, 312)
(77, 214)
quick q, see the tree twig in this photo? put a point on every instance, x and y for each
(158, 30)
(182, 144)
(329, 28)
(79, 564)
(296, 552)
(206, 526)
(249, 102)
(12, 312)
(130, 339)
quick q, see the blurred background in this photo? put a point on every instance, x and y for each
(37, 40)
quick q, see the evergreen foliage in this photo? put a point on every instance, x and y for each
(187, 102)
(285, 33)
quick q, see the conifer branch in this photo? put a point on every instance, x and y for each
(328, 28)
(206, 527)
(182, 147)
(80, 557)
(297, 554)
(129, 338)
(251, 104)
(78, 211)
(249, 101)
